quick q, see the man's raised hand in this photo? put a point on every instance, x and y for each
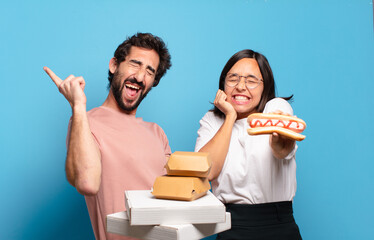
(72, 88)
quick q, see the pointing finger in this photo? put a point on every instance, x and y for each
(53, 76)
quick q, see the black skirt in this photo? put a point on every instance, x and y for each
(261, 221)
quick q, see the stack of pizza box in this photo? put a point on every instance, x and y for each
(180, 205)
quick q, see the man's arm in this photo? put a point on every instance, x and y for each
(83, 161)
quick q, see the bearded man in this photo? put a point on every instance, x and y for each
(109, 150)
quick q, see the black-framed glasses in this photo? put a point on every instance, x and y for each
(251, 81)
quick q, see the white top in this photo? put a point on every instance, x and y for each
(251, 174)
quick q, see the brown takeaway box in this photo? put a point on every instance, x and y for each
(180, 188)
(194, 164)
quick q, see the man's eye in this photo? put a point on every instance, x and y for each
(150, 73)
(132, 64)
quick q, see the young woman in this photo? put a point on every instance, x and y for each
(254, 176)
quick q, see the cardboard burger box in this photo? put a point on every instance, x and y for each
(186, 178)
(180, 188)
(193, 164)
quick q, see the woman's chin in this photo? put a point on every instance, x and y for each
(243, 113)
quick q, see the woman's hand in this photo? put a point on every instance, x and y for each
(281, 145)
(218, 146)
(224, 106)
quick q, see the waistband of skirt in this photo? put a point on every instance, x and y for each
(260, 214)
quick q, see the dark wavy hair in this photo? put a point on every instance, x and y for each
(148, 41)
(266, 72)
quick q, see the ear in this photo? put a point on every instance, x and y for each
(113, 65)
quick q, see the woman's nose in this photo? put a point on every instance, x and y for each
(241, 84)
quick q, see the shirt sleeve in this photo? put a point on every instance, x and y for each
(278, 104)
(164, 139)
(167, 148)
(206, 131)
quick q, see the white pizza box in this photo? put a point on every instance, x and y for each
(145, 209)
(118, 223)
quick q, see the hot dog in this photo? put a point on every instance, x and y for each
(288, 126)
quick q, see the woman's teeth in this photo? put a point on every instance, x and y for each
(241, 98)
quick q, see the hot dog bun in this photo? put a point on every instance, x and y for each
(289, 126)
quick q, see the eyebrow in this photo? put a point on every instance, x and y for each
(140, 63)
(249, 75)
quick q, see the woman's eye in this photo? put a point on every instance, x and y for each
(233, 76)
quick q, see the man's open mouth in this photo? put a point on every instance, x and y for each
(132, 90)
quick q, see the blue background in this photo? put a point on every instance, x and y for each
(320, 51)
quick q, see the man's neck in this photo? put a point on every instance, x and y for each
(111, 102)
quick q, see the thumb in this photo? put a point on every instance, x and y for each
(275, 137)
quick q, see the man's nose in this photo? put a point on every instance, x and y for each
(140, 75)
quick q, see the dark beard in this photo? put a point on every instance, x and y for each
(117, 90)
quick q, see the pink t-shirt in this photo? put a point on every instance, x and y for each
(133, 154)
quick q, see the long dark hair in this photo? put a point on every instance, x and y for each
(266, 72)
